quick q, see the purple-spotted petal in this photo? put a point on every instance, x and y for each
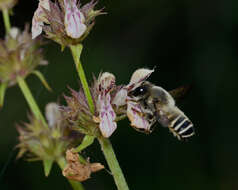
(106, 82)
(38, 18)
(73, 20)
(120, 98)
(45, 4)
(135, 116)
(107, 116)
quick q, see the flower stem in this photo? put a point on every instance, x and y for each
(75, 184)
(30, 99)
(105, 143)
(76, 52)
(113, 164)
(36, 111)
(6, 20)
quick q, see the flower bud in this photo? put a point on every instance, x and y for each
(46, 143)
(19, 56)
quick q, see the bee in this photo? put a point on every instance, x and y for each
(159, 105)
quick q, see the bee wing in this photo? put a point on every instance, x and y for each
(180, 92)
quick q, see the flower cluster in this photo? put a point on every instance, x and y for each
(46, 143)
(64, 21)
(112, 102)
(19, 56)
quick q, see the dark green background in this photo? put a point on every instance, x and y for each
(189, 42)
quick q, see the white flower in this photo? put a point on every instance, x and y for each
(107, 115)
(73, 20)
(134, 111)
(39, 18)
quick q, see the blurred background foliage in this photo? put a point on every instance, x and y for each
(189, 42)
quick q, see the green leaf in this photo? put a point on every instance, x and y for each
(47, 166)
(3, 88)
(42, 79)
(87, 141)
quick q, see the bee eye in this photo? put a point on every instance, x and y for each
(140, 91)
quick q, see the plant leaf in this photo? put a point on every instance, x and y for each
(3, 88)
(42, 79)
(87, 141)
(47, 166)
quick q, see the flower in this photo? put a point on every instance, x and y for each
(112, 104)
(19, 57)
(50, 143)
(134, 110)
(77, 170)
(64, 21)
(39, 18)
(103, 121)
(73, 20)
(107, 115)
(7, 4)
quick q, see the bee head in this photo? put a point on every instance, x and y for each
(140, 92)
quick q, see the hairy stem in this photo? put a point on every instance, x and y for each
(30, 100)
(6, 20)
(75, 184)
(113, 164)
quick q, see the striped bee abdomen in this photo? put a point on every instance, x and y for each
(182, 127)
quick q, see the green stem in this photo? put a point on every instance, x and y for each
(75, 184)
(30, 100)
(76, 52)
(113, 164)
(105, 143)
(6, 20)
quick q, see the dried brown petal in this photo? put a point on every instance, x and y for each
(78, 171)
(96, 167)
